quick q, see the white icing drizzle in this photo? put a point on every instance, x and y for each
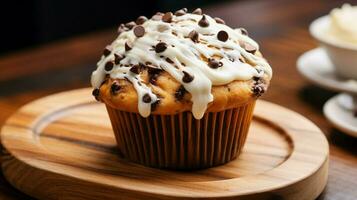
(186, 56)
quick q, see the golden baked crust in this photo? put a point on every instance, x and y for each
(171, 100)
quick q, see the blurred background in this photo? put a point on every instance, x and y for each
(32, 22)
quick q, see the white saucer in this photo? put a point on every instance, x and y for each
(339, 111)
(315, 66)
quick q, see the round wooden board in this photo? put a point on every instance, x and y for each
(62, 147)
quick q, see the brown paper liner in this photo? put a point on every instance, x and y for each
(180, 141)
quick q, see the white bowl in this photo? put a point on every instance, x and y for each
(342, 54)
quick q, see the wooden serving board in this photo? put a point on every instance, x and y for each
(62, 147)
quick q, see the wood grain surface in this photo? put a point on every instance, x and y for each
(281, 28)
(63, 144)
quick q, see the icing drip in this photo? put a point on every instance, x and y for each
(184, 56)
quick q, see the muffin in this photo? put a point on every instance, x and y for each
(180, 89)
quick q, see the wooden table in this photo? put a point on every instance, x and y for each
(281, 28)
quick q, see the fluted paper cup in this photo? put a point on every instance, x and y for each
(180, 141)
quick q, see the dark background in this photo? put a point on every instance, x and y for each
(32, 22)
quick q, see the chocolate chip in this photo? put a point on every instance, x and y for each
(256, 78)
(222, 36)
(128, 46)
(219, 20)
(107, 51)
(146, 98)
(213, 63)
(96, 93)
(155, 104)
(243, 31)
(187, 78)
(139, 31)
(135, 69)
(193, 35)
(180, 12)
(140, 20)
(142, 65)
(198, 11)
(180, 93)
(130, 25)
(118, 58)
(258, 90)
(169, 61)
(203, 22)
(108, 66)
(160, 47)
(167, 17)
(153, 78)
(248, 47)
(153, 74)
(115, 88)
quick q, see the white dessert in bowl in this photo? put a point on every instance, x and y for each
(337, 34)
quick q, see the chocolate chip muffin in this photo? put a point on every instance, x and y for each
(180, 89)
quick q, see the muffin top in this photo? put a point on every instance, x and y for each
(179, 62)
